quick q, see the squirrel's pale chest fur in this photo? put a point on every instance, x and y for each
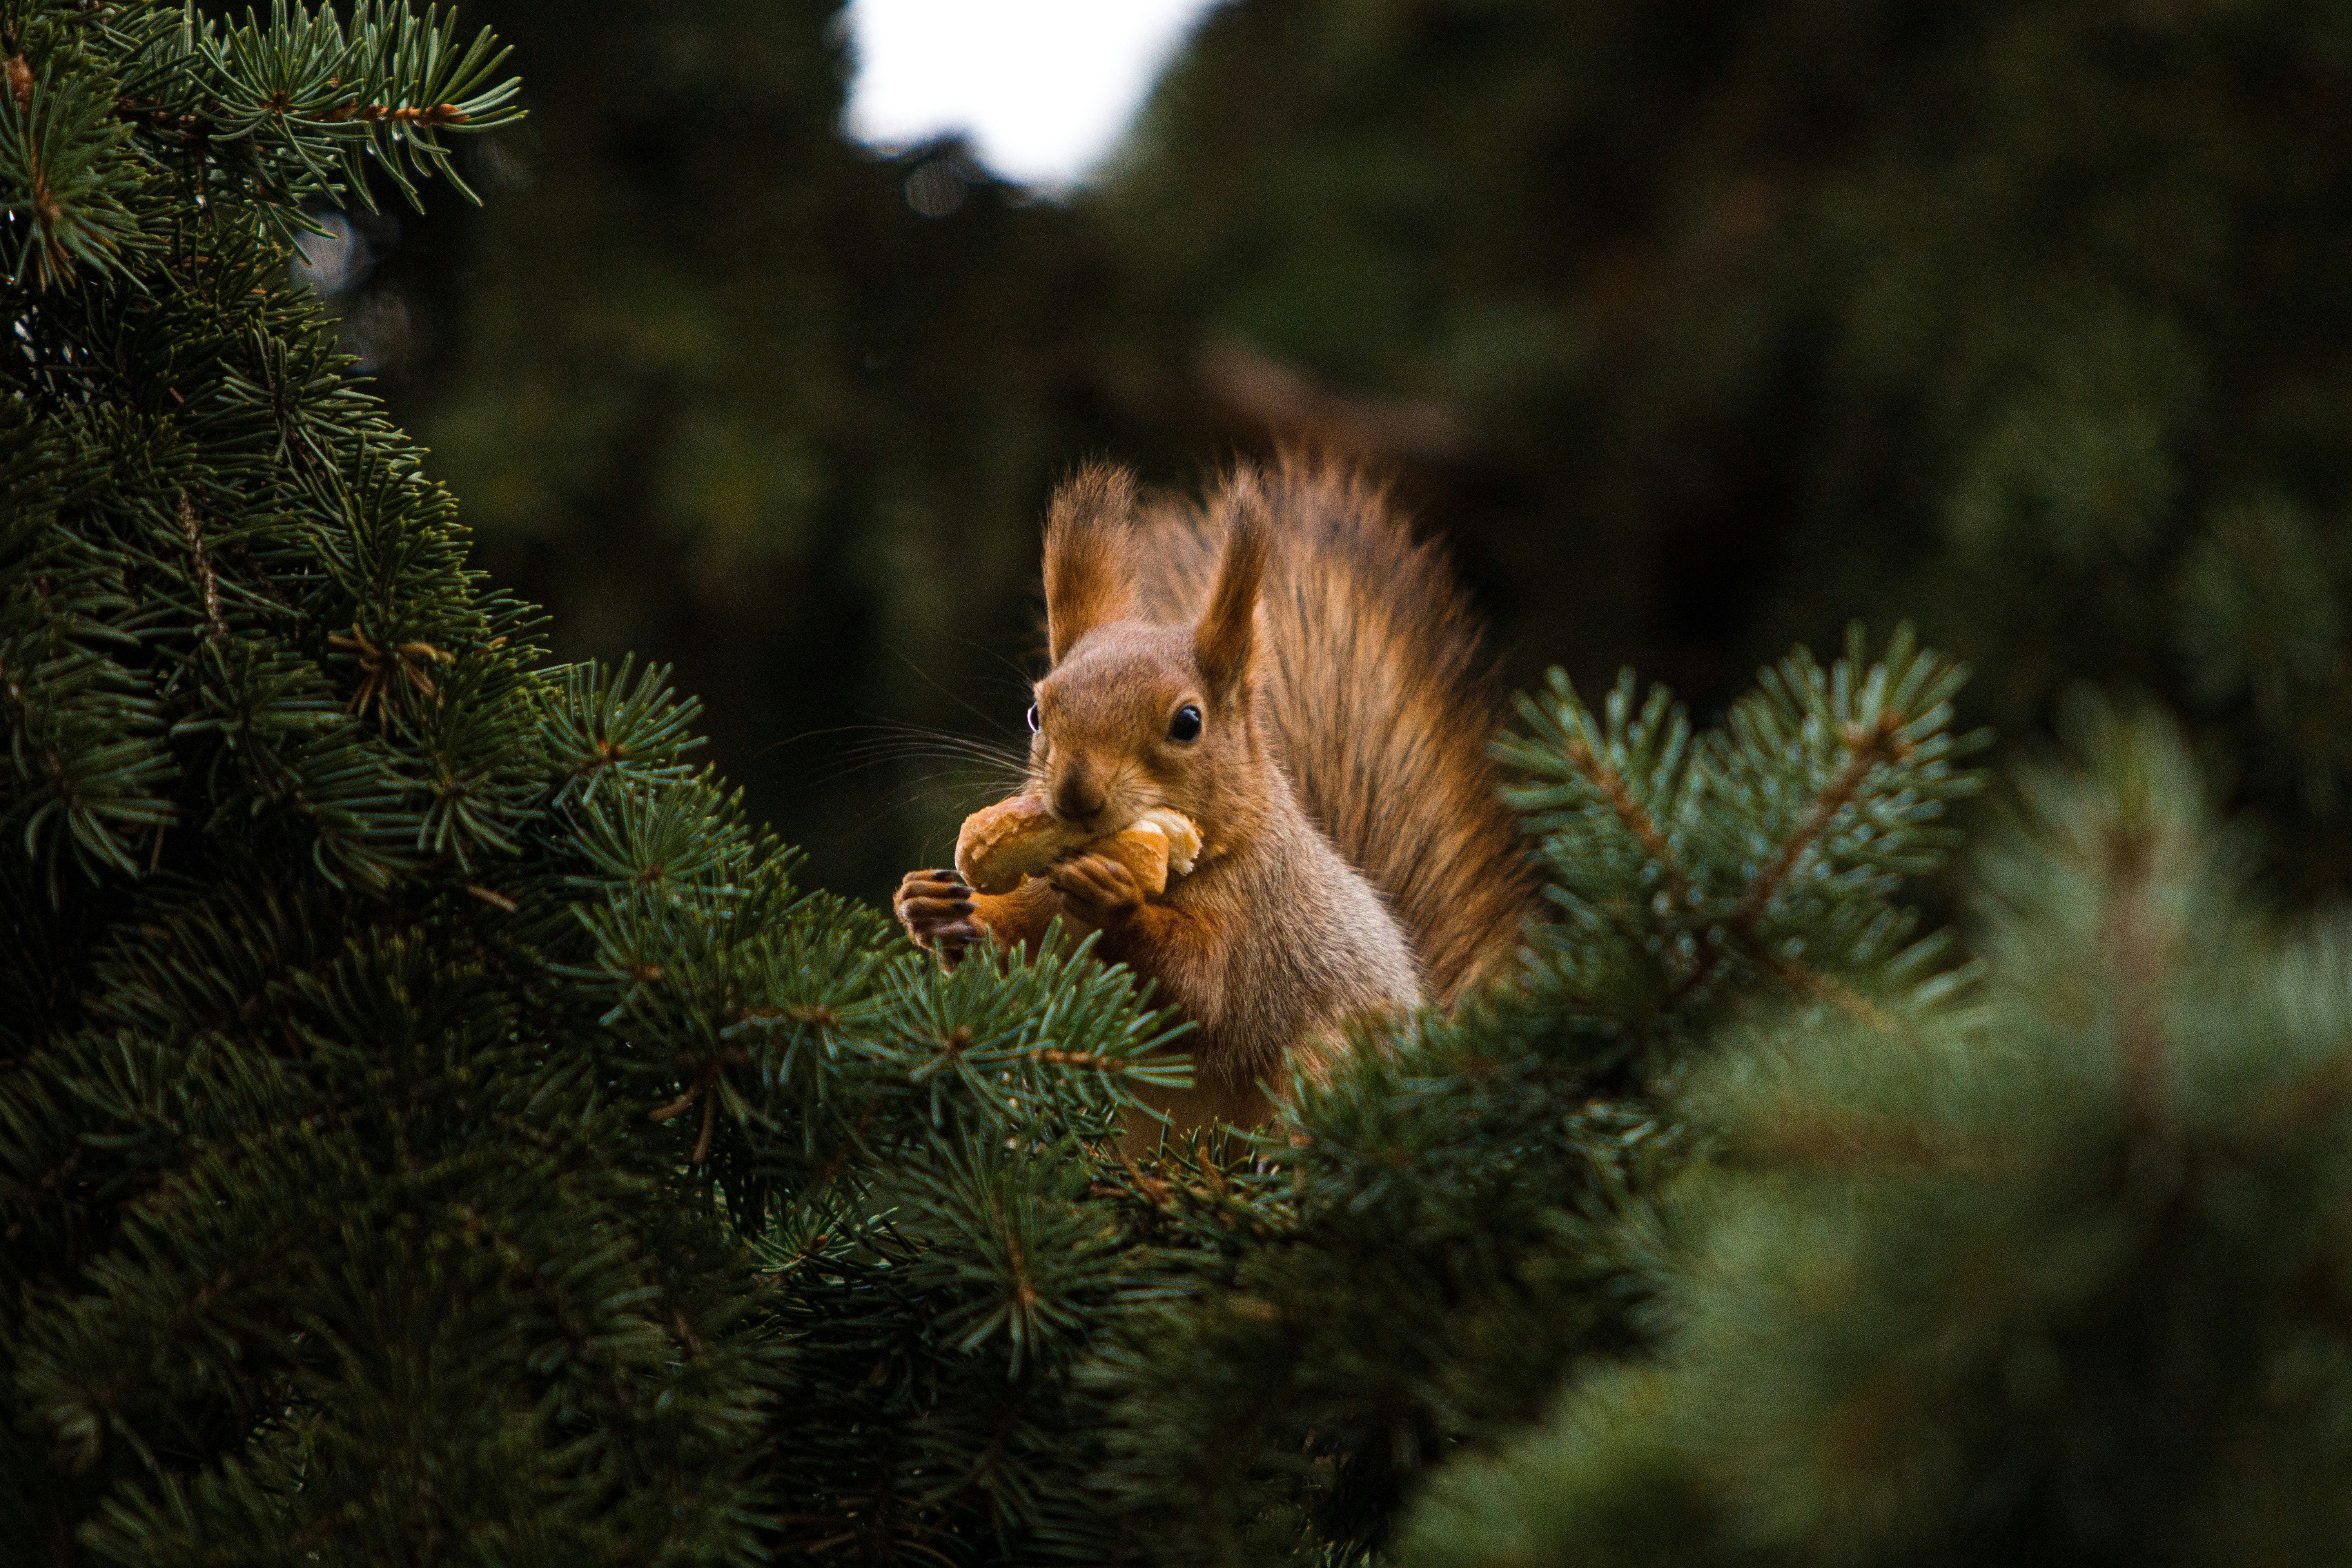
(1290, 669)
(1292, 983)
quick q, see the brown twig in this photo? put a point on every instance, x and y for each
(1870, 748)
(1855, 1007)
(381, 668)
(1159, 1194)
(678, 1107)
(1090, 1059)
(2312, 1098)
(821, 1016)
(705, 1074)
(2136, 958)
(709, 1118)
(214, 627)
(1801, 1139)
(1630, 812)
(429, 116)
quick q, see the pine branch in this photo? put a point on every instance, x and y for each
(1867, 751)
(65, 174)
(1610, 787)
(312, 103)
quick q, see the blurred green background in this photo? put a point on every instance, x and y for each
(1695, 329)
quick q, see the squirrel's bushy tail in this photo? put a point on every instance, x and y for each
(1381, 696)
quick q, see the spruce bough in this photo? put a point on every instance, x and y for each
(2056, 1275)
(433, 1126)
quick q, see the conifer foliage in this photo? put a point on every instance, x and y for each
(2056, 1275)
(405, 1050)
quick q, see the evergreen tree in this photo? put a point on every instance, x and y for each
(2055, 1274)
(433, 1126)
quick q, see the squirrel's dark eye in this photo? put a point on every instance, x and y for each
(1032, 717)
(1186, 725)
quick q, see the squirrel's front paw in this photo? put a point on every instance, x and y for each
(936, 908)
(1097, 889)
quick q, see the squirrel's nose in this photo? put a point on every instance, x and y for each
(1076, 795)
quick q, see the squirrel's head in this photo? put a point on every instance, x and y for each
(1135, 714)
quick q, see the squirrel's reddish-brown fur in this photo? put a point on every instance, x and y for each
(1384, 697)
(1355, 857)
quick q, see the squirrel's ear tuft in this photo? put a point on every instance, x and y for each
(1089, 574)
(1227, 636)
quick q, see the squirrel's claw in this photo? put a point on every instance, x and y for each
(936, 908)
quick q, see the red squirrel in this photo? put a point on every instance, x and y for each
(1287, 667)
